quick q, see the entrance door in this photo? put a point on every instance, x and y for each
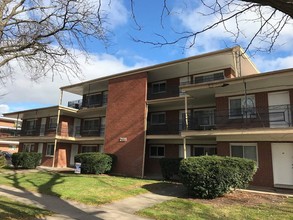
(279, 109)
(282, 155)
(74, 151)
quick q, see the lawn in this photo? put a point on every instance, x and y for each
(10, 209)
(88, 189)
(238, 205)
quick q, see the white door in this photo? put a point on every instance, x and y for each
(279, 109)
(282, 155)
(40, 148)
(74, 151)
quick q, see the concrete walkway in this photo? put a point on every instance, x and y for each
(122, 209)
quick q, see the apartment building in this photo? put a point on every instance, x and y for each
(214, 103)
(9, 127)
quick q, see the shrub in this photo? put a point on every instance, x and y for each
(170, 167)
(26, 160)
(94, 163)
(213, 176)
(2, 161)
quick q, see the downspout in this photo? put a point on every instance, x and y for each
(186, 126)
(57, 127)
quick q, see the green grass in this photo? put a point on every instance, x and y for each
(184, 209)
(10, 209)
(89, 189)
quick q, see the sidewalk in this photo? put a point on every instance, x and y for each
(122, 209)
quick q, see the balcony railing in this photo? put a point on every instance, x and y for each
(274, 117)
(278, 116)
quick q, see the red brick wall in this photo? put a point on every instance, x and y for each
(125, 117)
(264, 174)
(5, 147)
(46, 161)
(7, 124)
(152, 165)
(66, 124)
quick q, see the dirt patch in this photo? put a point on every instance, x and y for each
(243, 199)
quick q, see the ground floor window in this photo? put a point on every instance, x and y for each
(157, 151)
(90, 148)
(248, 151)
(28, 147)
(50, 149)
(204, 150)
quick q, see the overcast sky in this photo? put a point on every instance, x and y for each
(125, 54)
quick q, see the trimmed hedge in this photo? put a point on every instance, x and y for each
(94, 163)
(170, 167)
(212, 176)
(2, 161)
(26, 160)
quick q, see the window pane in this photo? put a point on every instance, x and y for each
(153, 151)
(235, 107)
(210, 151)
(161, 151)
(158, 118)
(250, 152)
(162, 87)
(237, 151)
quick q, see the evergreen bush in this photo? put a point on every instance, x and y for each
(212, 176)
(94, 163)
(26, 160)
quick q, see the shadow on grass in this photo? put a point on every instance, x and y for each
(167, 189)
(46, 197)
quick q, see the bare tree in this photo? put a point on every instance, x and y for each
(271, 16)
(41, 35)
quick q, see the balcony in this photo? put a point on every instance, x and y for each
(278, 116)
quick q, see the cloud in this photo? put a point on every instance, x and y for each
(3, 108)
(270, 64)
(191, 19)
(22, 93)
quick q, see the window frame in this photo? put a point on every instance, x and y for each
(208, 74)
(158, 113)
(204, 148)
(98, 149)
(34, 127)
(159, 83)
(50, 123)
(52, 145)
(243, 145)
(211, 116)
(157, 152)
(30, 147)
(242, 98)
(91, 119)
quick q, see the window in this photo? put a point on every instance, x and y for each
(158, 118)
(183, 81)
(105, 98)
(31, 124)
(91, 124)
(204, 150)
(50, 149)
(157, 151)
(28, 147)
(159, 87)
(248, 151)
(204, 119)
(208, 77)
(242, 107)
(53, 123)
(89, 148)
(92, 100)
